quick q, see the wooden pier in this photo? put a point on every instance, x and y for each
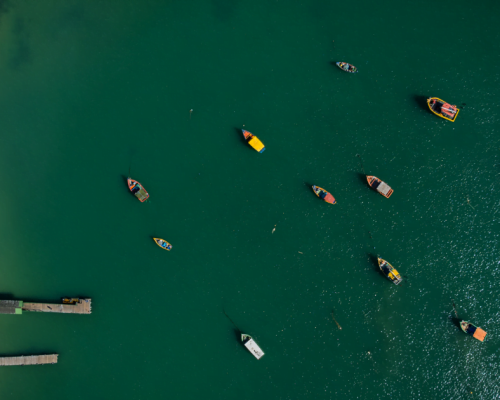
(29, 360)
(82, 306)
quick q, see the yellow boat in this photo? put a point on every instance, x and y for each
(389, 271)
(163, 244)
(253, 141)
(70, 300)
(443, 109)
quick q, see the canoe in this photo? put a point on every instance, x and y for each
(253, 141)
(383, 188)
(472, 330)
(138, 190)
(443, 109)
(323, 194)
(163, 244)
(252, 347)
(347, 67)
(389, 271)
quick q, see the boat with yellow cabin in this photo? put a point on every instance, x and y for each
(389, 271)
(253, 141)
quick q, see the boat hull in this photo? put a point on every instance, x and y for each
(319, 191)
(253, 141)
(389, 271)
(380, 186)
(159, 242)
(473, 330)
(435, 104)
(141, 194)
(252, 346)
(345, 67)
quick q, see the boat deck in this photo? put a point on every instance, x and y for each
(83, 306)
(142, 194)
(29, 360)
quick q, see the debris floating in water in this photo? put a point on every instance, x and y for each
(274, 229)
(338, 325)
(301, 252)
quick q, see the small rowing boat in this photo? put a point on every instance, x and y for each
(323, 194)
(443, 109)
(252, 346)
(472, 330)
(347, 67)
(253, 141)
(138, 190)
(163, 244)
(380, 186)
(389, 271)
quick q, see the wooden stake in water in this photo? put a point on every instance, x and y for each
(338, 325)
(190, 113)
(468, 202)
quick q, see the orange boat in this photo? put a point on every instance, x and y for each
(383, 188)
(443, 109)
(473, 330)
(324, 195)
(138, 190)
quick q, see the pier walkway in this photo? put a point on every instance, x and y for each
(29, 360)
(83, 306)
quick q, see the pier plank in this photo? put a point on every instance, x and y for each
(84, 306)
(29, 360)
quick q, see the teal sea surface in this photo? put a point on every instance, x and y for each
(94, 91)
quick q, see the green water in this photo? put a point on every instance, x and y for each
(91, 89)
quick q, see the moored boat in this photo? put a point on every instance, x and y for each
(163, 244)
(347, 67)
(138, 190)
(70, 300)
(252, 347)
(472, 330)
(323, 194)
(253, 141)
(389, 271)
(443, 109)
(380, 186)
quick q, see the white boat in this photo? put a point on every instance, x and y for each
(252, 346)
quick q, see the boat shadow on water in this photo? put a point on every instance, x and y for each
(373, 259)
(125, 180)
(455, 321)
(362, 178)
(421, 101)
(237, 334)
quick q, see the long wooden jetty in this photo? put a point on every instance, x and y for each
(80, 306)
(29, 360)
